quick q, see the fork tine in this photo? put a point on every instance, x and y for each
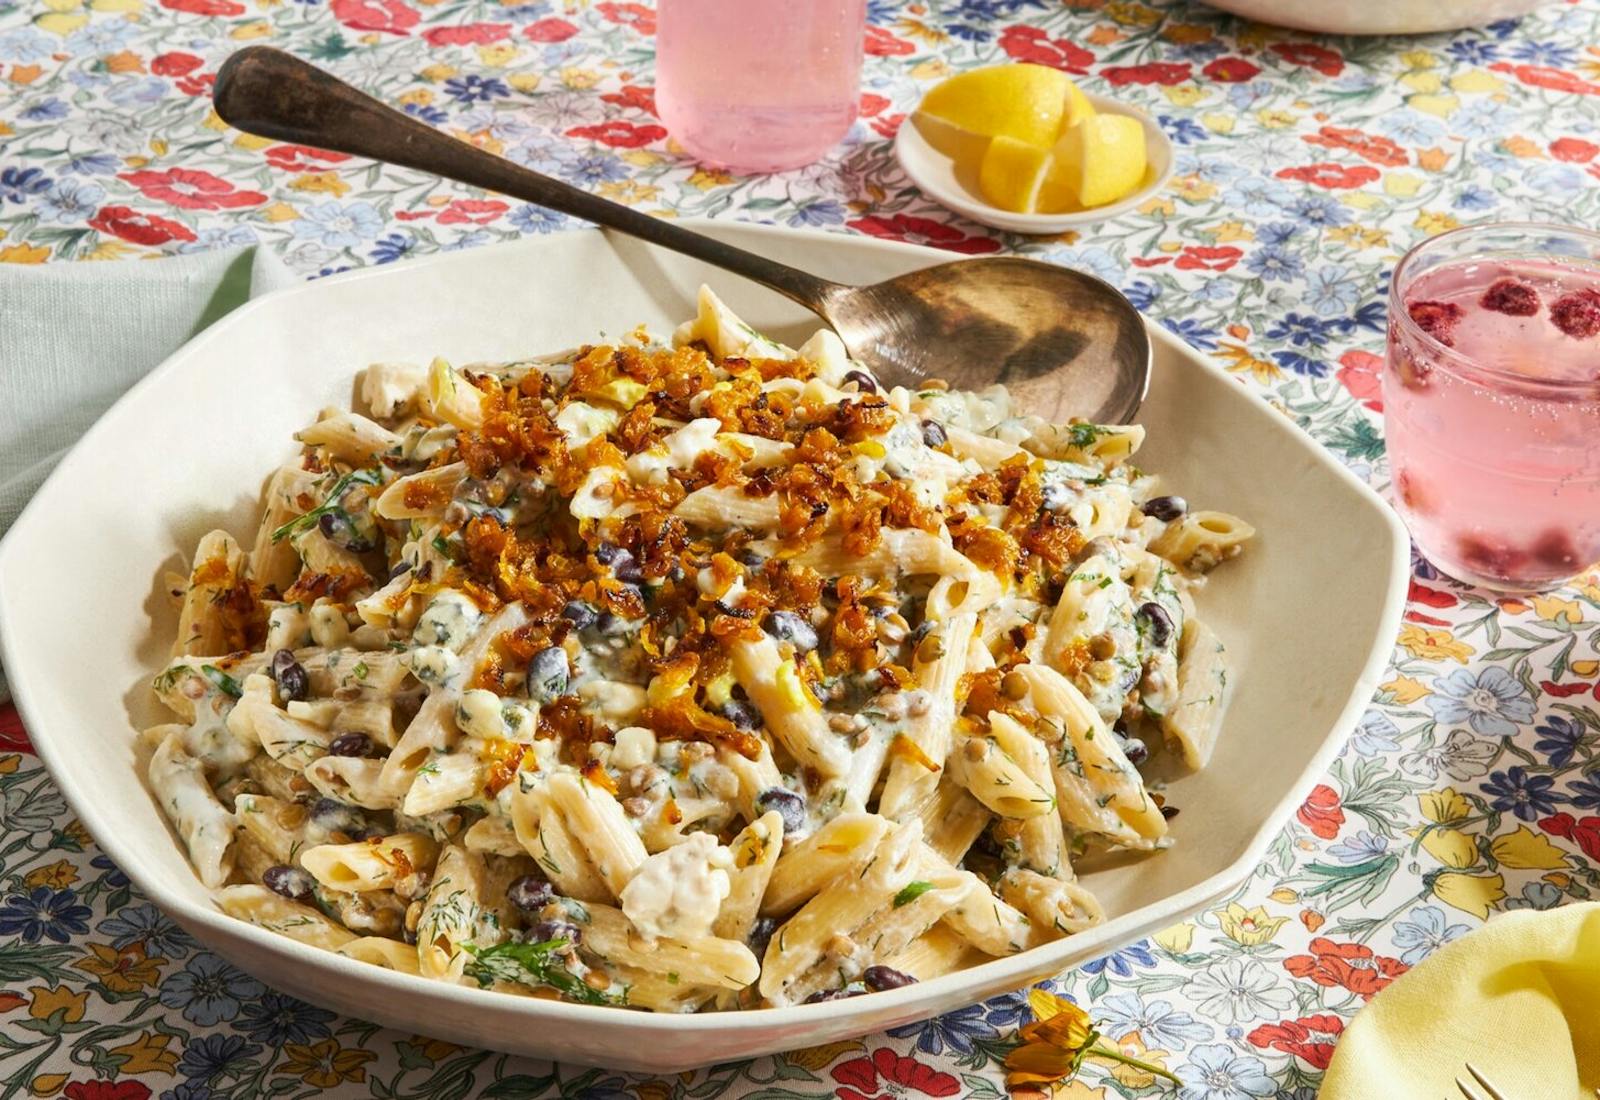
(1494, 1093)
(1467, 1091)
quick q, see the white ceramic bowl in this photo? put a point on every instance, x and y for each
(1309, 614)
(1377, 16)
(956, 186)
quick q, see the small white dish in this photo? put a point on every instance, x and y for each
(956, 186)
(1309, 614)
(1374, 17)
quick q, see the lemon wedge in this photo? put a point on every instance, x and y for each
(1026, 103)
(1097, 161)
(1012, 173)
(1076, 109)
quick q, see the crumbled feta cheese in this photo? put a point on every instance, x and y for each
(634, 745)
(447, 621)
(478, 714)
(675, 894)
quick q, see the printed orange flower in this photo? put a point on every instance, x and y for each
(48, 1002)
(325, 1063)
(1310, 1037)
(1379, 150)
(1055, 1044)
(58, 875)
(122, 970)
(1351, 966)
(1321, 812)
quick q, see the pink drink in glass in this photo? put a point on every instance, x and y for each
(1492, 402)
(759, 85)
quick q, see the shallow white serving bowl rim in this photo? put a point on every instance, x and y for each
(385, 988)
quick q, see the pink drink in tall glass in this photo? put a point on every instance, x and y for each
(759, 85)
(1492, 402)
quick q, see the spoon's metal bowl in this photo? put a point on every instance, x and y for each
(1063, 342)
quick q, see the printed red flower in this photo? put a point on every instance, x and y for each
(1584, 830)
(1153, 72)
(1564, 691)
(1321, 812)
(1540, 76)
(384, 16)
(192, 189)
(1351, 966)
(1361, 373)
(1379, 150)
(631, 95)
(413, 215)
(1420, 593)
(872, 104)
(1035, 45)
(903, 227)
(638, 16)
(619, 134)
(1325, 61)
(880, 43)
(107, 1090)
(1574, 150)
(888, 125)
(1337, 177)
(1200, 257)
(1310, 1037)
(1231, 70)
(1425, 620)
(549, 30)
(13, 738)
(131, 225)
(10, 1002)
(472, 212)
(1150, 261)
(303, 158)
(174, 64)
(859, 1077)
(468, 34)
(196, 85)
(204, 7)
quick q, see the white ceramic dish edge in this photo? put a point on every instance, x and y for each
(745, 1034)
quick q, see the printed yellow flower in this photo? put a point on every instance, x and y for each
(524, 82)
(1177, 938)
(630, 192)
(61, 5)
(9, 763)
(1132, 1075)
(47, 1084)
(1184, 95)
(60, 23)
(662, 1090)
(1451, 847)
(1441, 105)
(817, 1058)
(1193, 188)
(1435, 221)
(245, 141)
(1418, 59)
(920, 31)
(1433, 645)
(76, 831)
(1427, 83)
(1187, 34)
(1524, 147)
(707, 178)
(1104, 35)
(417, 97)
(24, 254)
(579, 79)
(498, 54)
(1475, 894)
(279, 212)
(320, 183)
(1585, 668)
(125, 61)
(642, 158)
(122, 970)
(1132, 15)
(1237, 358)
(1284, 896)
(1249, 927)
(1218, 122)
(1159, 204)
(1476, 81)
(148, 1054)
(1404, 690)
(482, 139)
(325, 1063)
(435, 1050)
(1354, 236)
(58, 875)
(47, 1003)
(1433, 159)
(1228, 232)
(1556, 610)
(256, 28)
(434, 73)
(1444, 806)
(1274, 119)
(127, 7)
(1526, 850)
(1402, 185)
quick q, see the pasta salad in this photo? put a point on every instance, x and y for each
(701, 674)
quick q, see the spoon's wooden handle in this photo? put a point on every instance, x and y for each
(267, 92)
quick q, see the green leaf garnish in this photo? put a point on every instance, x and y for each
(911, 892)
(535, 964)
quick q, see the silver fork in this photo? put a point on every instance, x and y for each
(1469, 1093)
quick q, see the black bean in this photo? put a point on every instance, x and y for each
(579, 614)
(879, 978)
(548, 674)
(1056, 497)
(611, 626)
(289, 882)
(350, 744)
(1135, 750)
(790, 806)
(933, 433)
(1169, 812)
(786, 626)
(546, 930)
(530, 893)
(333, 815)
(761, 935)
(338, 528)
(628, 571)
(742, 714)
(608, 552)
(1158, 624)
(831, 995)
(751, 558)
(293, 683)
(400, 567)
(1165, 509)
(863, 381)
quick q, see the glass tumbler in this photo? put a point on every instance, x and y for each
(759, 85)
(1492, 402)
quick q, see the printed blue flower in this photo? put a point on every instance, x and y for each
(390, 248)
(71, 200)
(955, 1030)
(473, 88)
(210, 1055)
(277, 1018)
(1157, 1022)
(43, 913)
(209, 991)
(1425, 930)
(1182, 130)
(162, 938)
(1299, 330)
(339, 224)
(1301, 364)
(1217, 1072)
(1492, 702)
(1359, 848)
(1559, 739)
(21, 184)
(1121, 963)
(1527, 796)
(1274, 264)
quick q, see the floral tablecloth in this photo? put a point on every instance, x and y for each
(1305, 168)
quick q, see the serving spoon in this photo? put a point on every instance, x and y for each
(1065, 343)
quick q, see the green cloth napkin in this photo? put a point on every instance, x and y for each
(74, 337)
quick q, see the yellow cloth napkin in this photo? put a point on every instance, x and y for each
(1519, 998)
